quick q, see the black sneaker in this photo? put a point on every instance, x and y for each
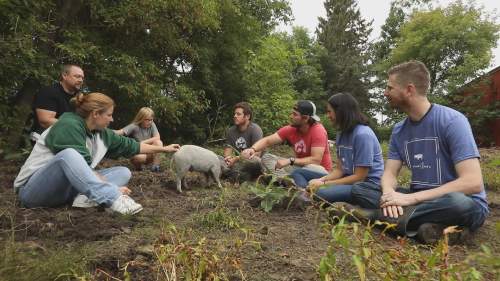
(155, 169)
(431, 233)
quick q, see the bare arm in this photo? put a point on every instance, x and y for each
(389, 180)
(45, 117)
(149, 149)
(119, 132)
(469, 181)
(261, 144)
(151, 140)
(315, 158)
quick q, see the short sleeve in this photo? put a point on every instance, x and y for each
(129, 129)
(460, 140)
(363, 148)
(285, 132)
(319, 137)
(154, 129)
(394, 151)
(46, 100)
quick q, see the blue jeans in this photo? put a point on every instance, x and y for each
(67, 175)
(450, 209)
(332, 193)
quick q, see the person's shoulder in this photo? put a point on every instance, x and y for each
(317, 127)
(363, 130)
(254, 125)
(70, 120)
(232, 129)
(447, 112)
(398, 128)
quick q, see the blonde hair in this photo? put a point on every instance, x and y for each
(143, 113)
(414, 72)
(86, 103)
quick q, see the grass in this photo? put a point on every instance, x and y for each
(356, 252)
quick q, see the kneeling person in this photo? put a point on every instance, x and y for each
(242, 135)
(143, 129)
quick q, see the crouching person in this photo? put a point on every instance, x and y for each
(143, 129)
(436, 143)
(61, 164)
(242, 135)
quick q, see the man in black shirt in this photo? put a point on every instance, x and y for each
(52, 101)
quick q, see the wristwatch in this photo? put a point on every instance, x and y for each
(292, 160)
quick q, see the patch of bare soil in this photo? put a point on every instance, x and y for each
(289, 243)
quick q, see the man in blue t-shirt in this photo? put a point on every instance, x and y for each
(436, 144)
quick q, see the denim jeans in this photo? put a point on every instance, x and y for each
(454, 208)
(332, 193)
(67, 175)
(269, 162)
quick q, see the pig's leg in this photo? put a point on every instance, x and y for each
(216, 171)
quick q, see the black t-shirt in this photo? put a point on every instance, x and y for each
(52, 98)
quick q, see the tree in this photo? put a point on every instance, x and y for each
(344, 35)
(184, 58)
(307, 72)
(380, 51)
(455, 43)
(269, 80)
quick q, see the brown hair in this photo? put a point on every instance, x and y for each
(414, 72)
(247, 109)
(86, 103)
(143, 113)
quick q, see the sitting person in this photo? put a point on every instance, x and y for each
(359, 156)
(143, 129)
(243, 134)
(61, 165)
(436, 143)
(308, 138)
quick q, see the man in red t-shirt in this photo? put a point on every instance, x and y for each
(307, 137)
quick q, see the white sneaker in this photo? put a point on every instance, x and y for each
(82, 201)
(125, 205)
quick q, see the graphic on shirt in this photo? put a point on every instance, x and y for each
(240, 143)
(346, 158)
(300, 147)
(423, 161)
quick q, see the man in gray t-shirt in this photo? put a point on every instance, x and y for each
(243, 134)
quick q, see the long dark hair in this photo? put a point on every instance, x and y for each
(347, 111)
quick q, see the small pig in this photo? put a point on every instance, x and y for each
(199, 159)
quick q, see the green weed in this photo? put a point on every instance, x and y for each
(356, 253)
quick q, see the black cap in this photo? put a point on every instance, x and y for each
(307, 107)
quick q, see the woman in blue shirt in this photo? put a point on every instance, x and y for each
(359, 155)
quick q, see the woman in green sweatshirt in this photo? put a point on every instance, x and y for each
(61, 164)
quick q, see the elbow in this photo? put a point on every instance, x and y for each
(475, 185)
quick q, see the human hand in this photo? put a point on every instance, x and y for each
(314, 185)
(230, 160)
(394, 198)
(248, 153)
(125, 190)
(282, 163)
(172, 147)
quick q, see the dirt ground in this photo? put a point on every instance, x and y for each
(285, 244)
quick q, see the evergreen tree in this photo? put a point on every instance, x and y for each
(344, 35)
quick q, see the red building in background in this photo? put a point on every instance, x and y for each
(482, 93)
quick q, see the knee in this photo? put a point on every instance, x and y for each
(69, 153)
(158, 143)
(458, 201)
(124, 173)
(362, 188)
